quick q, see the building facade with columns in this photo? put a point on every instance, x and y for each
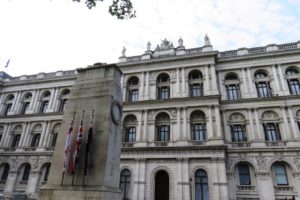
(198, 124)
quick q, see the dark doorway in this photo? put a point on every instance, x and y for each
(162, 185)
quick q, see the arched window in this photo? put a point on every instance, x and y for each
(63, 100)
(36, 135)
(25, 103)
(129, 127)
(262, 83)
(163, 86)
(280, 174)
(201, 185)
(125, 180)
(198, 126)
(54, 134)
(1, 132)
(238, 128)
(16, 136)
(45, 98)
(4, 171)
(270, 121)
(244, 174)
(292, 76)
(133, 89)
(8, 104)
(44, 173)
(162, 185)
(162, 122)
(232, 85)
(25, 172)
(196, 83)
(298, 119)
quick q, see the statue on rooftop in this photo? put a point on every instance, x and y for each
(148, 46)
(124, 52)
(165, 44)
(180, 42)
(207, 41)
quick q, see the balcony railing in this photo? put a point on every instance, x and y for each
(275, 143)
(246, 188)
(283, 188)
(128, 144)
(30, 148)
(240, 144)
(198, 142)
(161, 143)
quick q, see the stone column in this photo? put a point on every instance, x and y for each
(179, 133)
(178, 82)
(260, 133)
(135, 188)
(185, 132)
(44, 140)
(283, 81)
(179, 180)
(141, 93)
(226, 129)
(15, 101)
(206, 82)
(295, 130)
(147, 87)
(265, 185)
(23, 134)
(222, 179)
(56, 98)
(251, 84)
(145, 130)
(231, 186)
(36, 101)
(5, 134)
(10, 182)
(183, 82)
(43, 134)
(222, 88)
(251, 133)
(277, 87)
(140, 127)
(214, 179)
(142, 179)
(210, 128)
(286, 132)
(1, 102)
(218, 122)
(245, 92)
(27, 135)
(32, 182)
(214, 79)
(30, 109)
(186, 193)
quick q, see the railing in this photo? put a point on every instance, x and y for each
(49, 148)
(287, 46)
(275, 143)
(283, 188)
(195, 142)
(128, 144)
(10, 149)
(245, 188)
(228, 53)
(30, 148)
(257, 50)
(240, 144)
(161, 144)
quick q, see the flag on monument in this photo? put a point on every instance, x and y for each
(7, 63)
(89, 141)
(68, 144)
(77, 147)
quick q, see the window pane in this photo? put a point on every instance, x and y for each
(238, 133)
(244, 174)
(233, 92)
(280, 174)
(294, 86)
(201, 185)
(125, 183)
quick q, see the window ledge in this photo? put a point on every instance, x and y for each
(245, 188)
(283, 188)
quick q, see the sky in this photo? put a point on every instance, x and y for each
(53, 35)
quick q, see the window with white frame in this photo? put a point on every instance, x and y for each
(125, 179)
(133, 89)
(280, 175)
(198, 126)
(293, 77)
(262, 82)
(238, 131)
(270, 122)
(45, 98)
(25, 103)
(163, 86)
(63, 100)
(8, 104)
(195, 83)
(162, 123)
(129, 128)
(232, 85)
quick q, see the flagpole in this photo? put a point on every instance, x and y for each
(66, 150)
(77, 147)
(87, 146)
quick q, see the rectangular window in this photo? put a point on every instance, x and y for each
(5, 173)
(164, 92)
(16, 140)
(272, 133)
(238, 133)
(62, 106)
(199, 132)
(54, 138)
(44, 106)
(35, 140)
(7, 109)
(294, 86)
(133, 95)
(196, 90)
(263, 89)
(280, 174)
(244, 174)
(233, 92)
(163, 133)
(25, 108)
(130, 134)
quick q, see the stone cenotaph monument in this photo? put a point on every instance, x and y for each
(97, 88)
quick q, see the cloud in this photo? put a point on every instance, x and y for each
(43, 35)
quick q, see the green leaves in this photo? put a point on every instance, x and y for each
(122, 9)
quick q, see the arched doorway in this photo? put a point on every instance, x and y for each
(161, 185)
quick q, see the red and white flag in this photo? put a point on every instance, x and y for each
(77, 147)
(68, 145)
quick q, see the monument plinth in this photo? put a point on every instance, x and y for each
(96, 88)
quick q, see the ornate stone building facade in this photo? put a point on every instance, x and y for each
(197, 124)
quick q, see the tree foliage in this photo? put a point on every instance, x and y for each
(122, 9)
